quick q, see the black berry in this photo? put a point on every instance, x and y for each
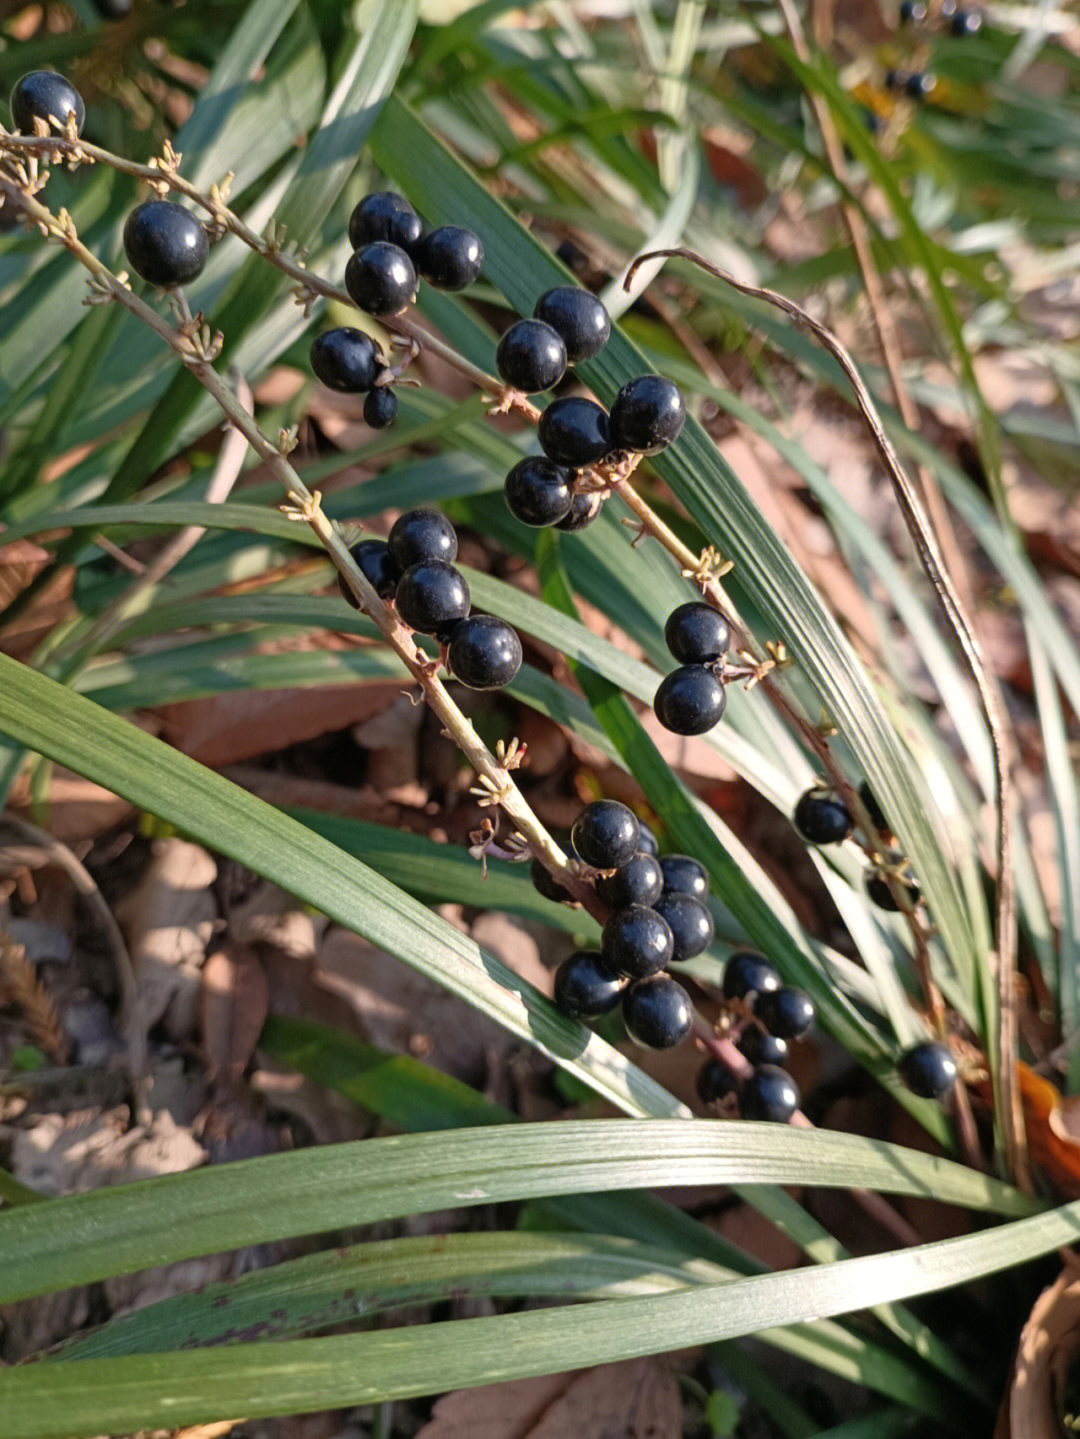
(380, 407)
(822, 818)
(647, 415)
(928, 1070)
(545, 883)
(963, 23)
(746, 974)
(381, 279)
(657, 1012)
(484, 653)
(690, 923)
(431, 596)
(422, 534)
(43, 95)
(582, 989)
(379, 568)
(639, 881)
(579, 317)
(759, 1047)
(690, 700)
(345, 359)
(538, 491)
(531, 356)
(684, 875)
(636, 941)
(605, 834)
(879, 893)
(165, 243)
(574, 431)
(919, 85)
(647, 843)
(385, 216)
(450, 258)
(787, 1013)
(770, 1093)
(715, 1081)
(584, 508)
(912, 12)
(696, 634)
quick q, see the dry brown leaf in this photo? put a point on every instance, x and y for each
(638, 1399)
(234, 1003)
(1049, 1345)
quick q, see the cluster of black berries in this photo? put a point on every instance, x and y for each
(390, 249)
(960, 22)
(658, 918)
(822, 817)
(771, 1015)
(414, 568)
(692, 698)
(569, 324)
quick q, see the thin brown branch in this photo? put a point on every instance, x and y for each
(1006, 1080)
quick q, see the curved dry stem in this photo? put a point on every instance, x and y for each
(1006, 1079)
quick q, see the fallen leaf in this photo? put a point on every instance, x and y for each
(638, 1399)
(1049, 1344)
(234, 1003)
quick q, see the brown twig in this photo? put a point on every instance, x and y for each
(1006, 1081)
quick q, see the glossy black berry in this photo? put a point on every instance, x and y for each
(484, 653)
(639, 881)
(647, 415)
(380, 279)
(385, 216)
(380, 407)
(690, 700)
(912, 12)
(647, 843)
(431, 596)
(963, 23)
(43, 95)
(538, 491)
(715, 1081)
(422, 534)
(690, 923)
(531, 356)
(879, 893)
(579, 318)
(770, 1093)
(758, 1047)
(684, 875)
(822, 818)
(165, 243)
(345, 359)
(582, 988)
(696, 634)
(605, 834)
(873, 809)
(379, 568)
(928, 1070)
(545, 883)
(747, 973)
(584, 508)
(574, 431)
(787, 1013)
(636, 941)
(657, 1012)
(450, 258)
(919, 85)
